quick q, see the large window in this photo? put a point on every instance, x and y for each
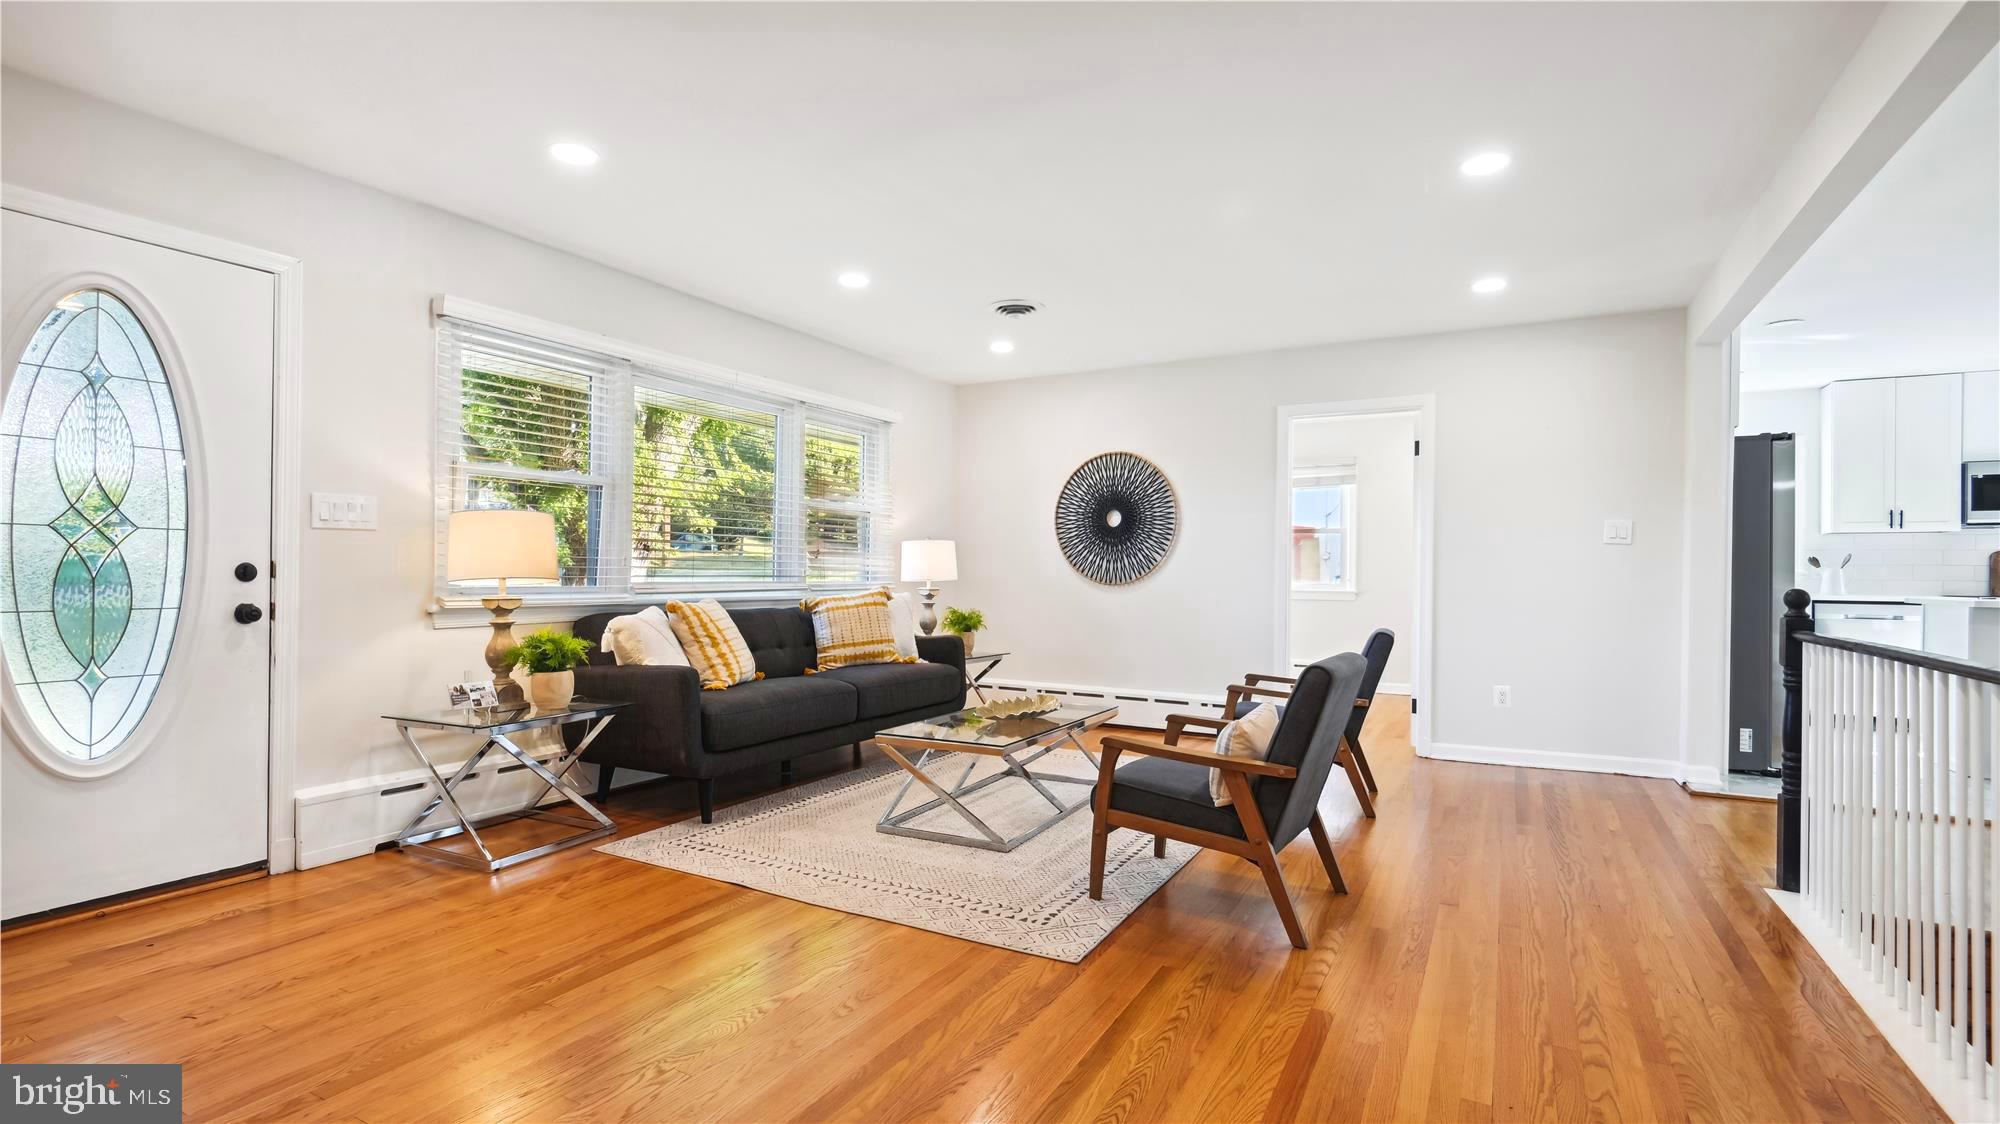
(1323, 529)
(701, 487)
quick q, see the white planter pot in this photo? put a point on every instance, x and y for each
(551, 690)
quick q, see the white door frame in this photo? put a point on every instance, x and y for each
(1423, 626)
(288, 367)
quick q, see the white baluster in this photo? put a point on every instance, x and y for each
(1960, 892)
(1926, 830)
(1977, 754)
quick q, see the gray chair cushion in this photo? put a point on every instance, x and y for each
(1173, 791)
(767, 709)
(889, 688)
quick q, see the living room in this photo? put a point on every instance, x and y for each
(885, 392)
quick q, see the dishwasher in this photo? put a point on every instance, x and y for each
(1877, 622)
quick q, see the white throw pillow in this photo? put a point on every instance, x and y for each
(903, 624)
(1248, 736)
(644, 639)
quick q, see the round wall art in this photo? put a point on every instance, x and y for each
(1116, 518)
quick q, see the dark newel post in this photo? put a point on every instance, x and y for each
(1790, 820)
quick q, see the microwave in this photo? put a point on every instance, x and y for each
(1981, 494)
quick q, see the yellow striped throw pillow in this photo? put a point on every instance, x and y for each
(713, 644)
(853, 628)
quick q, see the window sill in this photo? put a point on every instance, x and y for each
(467, 612)
(1299, 594)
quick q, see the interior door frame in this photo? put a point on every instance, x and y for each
(287, 505)
(1424, 625)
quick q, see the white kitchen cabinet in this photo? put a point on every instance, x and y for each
(1928, 428)
(1982, 416)
(1889, 454)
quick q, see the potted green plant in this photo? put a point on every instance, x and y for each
(964, 623)
(550, 657)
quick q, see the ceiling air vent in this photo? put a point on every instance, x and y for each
(1014, 310)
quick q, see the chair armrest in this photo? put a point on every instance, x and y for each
(1236, 693)
(1249, 765)
(660, 732)
(1177, 724)
(1256, 677)
(1361, 704)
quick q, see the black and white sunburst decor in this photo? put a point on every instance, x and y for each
(1116, 518)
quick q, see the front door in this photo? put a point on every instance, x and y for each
(135, 500)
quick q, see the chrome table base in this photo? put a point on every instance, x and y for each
(411, 838)
(897, 823)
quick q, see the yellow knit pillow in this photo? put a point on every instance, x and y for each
(713, 644)
(853, 628)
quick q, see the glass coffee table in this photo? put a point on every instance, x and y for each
(1016, 742)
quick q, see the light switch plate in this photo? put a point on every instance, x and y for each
(1618, 532)
(335, 511)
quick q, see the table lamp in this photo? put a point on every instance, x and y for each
(927, 561)
(492, 545)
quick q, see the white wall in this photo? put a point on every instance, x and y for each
(1382, 449)
(372, 264)
(1543, 431)
(1897, 564)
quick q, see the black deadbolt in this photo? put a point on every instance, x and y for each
(247, 613)
(246, 571)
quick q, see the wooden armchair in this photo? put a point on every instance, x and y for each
(1240, 698)
(1271, 801)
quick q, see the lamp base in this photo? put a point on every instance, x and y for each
(927, 617)
(497, 647)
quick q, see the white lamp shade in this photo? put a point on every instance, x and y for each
(485, 545)
(930, 560)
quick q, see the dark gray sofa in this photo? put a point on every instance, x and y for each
(678, 729)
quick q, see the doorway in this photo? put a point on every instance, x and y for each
(139, 597)
(1354, 538)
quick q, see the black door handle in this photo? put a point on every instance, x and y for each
(247, 613)
(245, 571)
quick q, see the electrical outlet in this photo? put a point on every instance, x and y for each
(1503, 697)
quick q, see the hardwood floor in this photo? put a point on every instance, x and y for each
(1519, 944)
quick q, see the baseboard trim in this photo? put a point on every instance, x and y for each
(1556, 759)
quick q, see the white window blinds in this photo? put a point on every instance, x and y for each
(697, 488)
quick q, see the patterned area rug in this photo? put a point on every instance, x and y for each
(817, 843)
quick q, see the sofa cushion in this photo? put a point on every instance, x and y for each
(887, 688)
(766, 709)
(1173, 791)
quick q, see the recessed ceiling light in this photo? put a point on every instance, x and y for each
(1002, 347)
(1485, 164)
(573, 154)
(1489, 284)
(853, 279)
(1784, 322)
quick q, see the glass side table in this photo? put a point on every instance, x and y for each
(497, 723)
(991, 660)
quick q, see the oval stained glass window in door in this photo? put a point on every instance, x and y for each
(93, 500)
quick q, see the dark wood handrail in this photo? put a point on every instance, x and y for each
(1929, 660)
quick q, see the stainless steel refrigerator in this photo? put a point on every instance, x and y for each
(1762, 568)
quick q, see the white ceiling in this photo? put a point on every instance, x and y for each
(1170, 180)
(1907, 279)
